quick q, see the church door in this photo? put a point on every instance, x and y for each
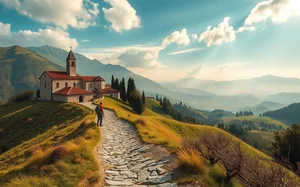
(81, 99)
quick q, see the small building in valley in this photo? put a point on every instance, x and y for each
(69, 87)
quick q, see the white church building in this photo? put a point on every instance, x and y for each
(71, 87)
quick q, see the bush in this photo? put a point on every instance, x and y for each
(23, 96)
(191, 159)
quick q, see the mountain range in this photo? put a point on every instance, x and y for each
(263, 107)
(265, 85)
(21, 67)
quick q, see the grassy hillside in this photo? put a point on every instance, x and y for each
(170, 133)
(20, 70)
(255, 119)
(261, 140)
(47, 144)
(288, 115)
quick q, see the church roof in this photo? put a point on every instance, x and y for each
(92, 78)
(72, 91)
(62, 75)
(71, 56)
(108, 91)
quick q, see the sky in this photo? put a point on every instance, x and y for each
(165, 40)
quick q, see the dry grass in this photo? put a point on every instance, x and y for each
(56, 152)
(191, 158)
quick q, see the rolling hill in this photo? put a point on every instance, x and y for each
(289, 115)
(38, 149)
(20, 69)
(262, 107)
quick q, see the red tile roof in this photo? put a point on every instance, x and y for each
(108, 91)
(72, 91)
(62, 75)
(92, 78)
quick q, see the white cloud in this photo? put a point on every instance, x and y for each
(279, 11)
(85, 41)
(138, 56)
(121, 15)
(78, 13)
(50, 36)
(177, 37)
(4, 29)
(185, 51)
(245, 28)
(195, 36)
(223, 33)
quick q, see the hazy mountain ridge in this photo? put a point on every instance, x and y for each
(262, 107)
(264, 85)
(20, 69)
(288, 115)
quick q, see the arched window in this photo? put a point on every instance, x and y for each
(73, 63)
(66, 84)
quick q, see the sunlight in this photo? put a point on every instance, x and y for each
(295, 4)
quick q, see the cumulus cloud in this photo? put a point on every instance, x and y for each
(245, 28)
(50, 36)
(279, 11)
(223, 33)
(140, 58)
(78, 13)
(121, 15)
(177, 37)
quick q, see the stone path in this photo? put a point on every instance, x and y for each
(122, 154)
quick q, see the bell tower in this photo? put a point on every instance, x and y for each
(71, 64)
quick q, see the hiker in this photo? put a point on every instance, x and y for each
(100, 113)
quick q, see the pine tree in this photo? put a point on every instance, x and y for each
(157, 99)
(38, 95)
(136, 102)
(112, 82)
(160, 102)
(123, 90)
(143, 98)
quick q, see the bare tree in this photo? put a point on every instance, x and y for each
(259, 174)
(210, 145)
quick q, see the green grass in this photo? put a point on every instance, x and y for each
(240, 119)
(263, 139)
(47, 144)
(158, 129)
(155, 107)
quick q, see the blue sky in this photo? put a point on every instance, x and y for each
(165, 40)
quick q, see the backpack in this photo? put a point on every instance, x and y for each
(97, 109)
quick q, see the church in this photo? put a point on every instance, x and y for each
(68, 86)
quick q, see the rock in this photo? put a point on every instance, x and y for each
(114, 173)
(118, 183)
(159, 179)
(160, 170)
(154, 173)
(119, 178)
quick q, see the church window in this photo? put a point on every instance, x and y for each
(57, 85)
(45, 85)
(74, 84)
(73, 63)
(66, 84)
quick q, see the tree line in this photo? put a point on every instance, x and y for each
(244, 113)
(169, 109)
(132, 95)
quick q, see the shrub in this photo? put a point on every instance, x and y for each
(191, 159)
(23, 96)
(48, 169)
(94, 178)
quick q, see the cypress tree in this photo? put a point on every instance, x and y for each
(117, 84)
(38, 95)
(112, 82)
(136, 103)
(123, 90)
(143, 98)
(157, 99)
